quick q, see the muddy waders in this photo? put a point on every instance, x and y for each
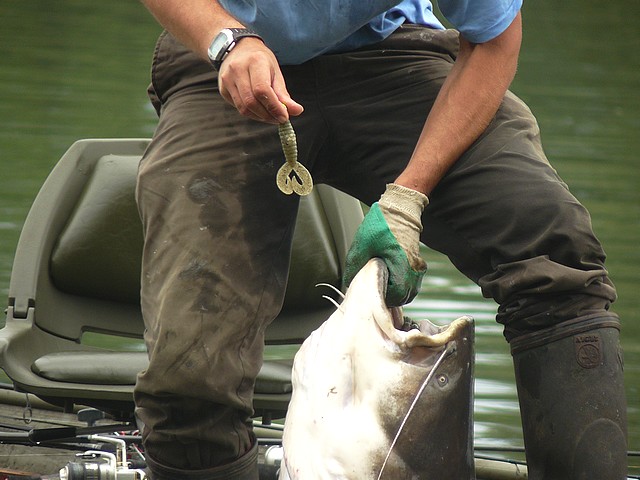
(572, 401)
(244, 468)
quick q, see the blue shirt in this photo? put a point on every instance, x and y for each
(298, 30)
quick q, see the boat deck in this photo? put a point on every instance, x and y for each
(21, 413)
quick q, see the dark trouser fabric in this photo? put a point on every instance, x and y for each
(218, 231)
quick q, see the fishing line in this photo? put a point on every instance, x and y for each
(442, 356)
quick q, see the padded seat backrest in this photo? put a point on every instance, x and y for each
(97, 254)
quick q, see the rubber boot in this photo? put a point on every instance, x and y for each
(572, 401)
(244, 468)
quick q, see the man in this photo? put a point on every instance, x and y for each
(402, 114)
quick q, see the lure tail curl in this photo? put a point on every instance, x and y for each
(292, 177)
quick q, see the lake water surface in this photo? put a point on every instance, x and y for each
(74, 69)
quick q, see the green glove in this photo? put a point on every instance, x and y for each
(391, 231)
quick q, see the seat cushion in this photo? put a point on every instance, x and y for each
(102, 368)
(121, 368)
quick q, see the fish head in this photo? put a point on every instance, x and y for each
(377, 396)
(417, 377)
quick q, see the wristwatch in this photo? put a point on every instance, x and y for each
(224, 42)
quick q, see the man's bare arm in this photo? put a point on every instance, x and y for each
(464, 107)
(193, 23)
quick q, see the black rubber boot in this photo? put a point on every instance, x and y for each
(244, 468)
(572, 400)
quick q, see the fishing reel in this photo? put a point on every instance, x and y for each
(270, 462)
(99, 465)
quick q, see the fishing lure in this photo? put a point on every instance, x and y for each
(292, 177)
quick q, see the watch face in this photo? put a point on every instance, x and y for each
(219, 46)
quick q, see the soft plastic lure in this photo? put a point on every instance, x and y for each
(292, 177)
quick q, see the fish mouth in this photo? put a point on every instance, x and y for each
(382, 276)
(397, 314)
(407, 333)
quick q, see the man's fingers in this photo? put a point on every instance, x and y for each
(264, 100)
(292, 107)
(253, 83)
(245, 82)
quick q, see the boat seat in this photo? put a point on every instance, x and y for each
(121, 368)
(76, 277)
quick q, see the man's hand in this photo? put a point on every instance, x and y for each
(391, 231)
(250, 79)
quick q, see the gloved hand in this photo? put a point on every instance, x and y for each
(391, 231)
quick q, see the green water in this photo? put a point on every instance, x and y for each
(74, 69)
